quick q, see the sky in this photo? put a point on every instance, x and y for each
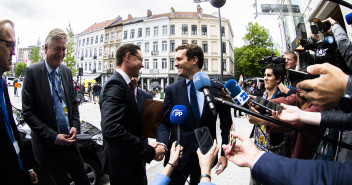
(35, 18)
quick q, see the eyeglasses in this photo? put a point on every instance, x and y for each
(9, 44)
(139, 58)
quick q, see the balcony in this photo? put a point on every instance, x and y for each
(109, 71)
(154, 71)
(82, 58)
(155, 53)
(94, 57)
(111, 56)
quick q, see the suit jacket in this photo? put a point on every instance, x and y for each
(39, 113)
(274, 169)
(141, 97)
(124, 151)
(176, 94)
(9, 167)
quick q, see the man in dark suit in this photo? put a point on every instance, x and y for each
(124, 151)
(12, 155)
(269, 168)
(50, 108)
(188, 61)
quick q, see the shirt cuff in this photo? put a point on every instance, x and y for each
(257, 158)
(349, 86)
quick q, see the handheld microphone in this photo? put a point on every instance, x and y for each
(348, 18)
(237, 94)
(202, 83)
(178, 116)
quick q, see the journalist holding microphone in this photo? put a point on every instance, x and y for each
(188, 61)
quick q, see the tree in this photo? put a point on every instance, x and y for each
(70, 60)
(258, 43)
(35, 56)
(20, 67)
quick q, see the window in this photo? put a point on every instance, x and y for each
(132, 34)
(86, 52)
(184, 29)
(112, 49)
(223, 30)
(81, 64)
(146, 47)
(147, 32)
(139, 32)
(118, 37)
(95, 52)
(156, 30)
(83, 42)
(90, 66)
(194, 29)
(172, 45)
(110, 65)
(155, 46)
(79, 43)
(194, 41)
(155, 63)
(224, 62)
(101, 38)
(184, 41)
(106, 37)
(205, 65)
(223, 47)
(205, 46)
(99, 65)
(139, 44)
(105, 65)
(90, 52)
(204, 30)
(91, 40)
(78, 54)
(164, 46)
(172, 63)
(100, 51)
(163, 63)
(146, 63)
(85, 66)
(112, 37)
(95, 65)
(172, 29)
(164, 30)
(96, 39)
(106, 51)
(125, 34)
(87, 41)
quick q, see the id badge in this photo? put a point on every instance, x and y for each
(65, 110)
(17, 148)
(262, 140)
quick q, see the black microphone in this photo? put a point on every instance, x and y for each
(178, 116)
(202, 83)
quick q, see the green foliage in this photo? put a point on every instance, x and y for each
(35, 56)
(70, 60)
(20, 67)
(258, 43)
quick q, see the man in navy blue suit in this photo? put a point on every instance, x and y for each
(188, 61)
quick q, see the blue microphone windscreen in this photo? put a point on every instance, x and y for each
(348, 18)
(232, 87)
(178, 115)
(201, 80)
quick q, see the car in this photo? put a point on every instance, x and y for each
(10, 81)
(90, 142)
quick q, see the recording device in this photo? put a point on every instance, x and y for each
(272, 59)
(202, 83)
(298, 76)
(237, 94)
(323, 27)
(266, 104)
(178, 116)
(204, 139)
(348, 18)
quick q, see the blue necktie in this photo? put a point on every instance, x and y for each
(194, 103)
(60, 116)
(6, 120)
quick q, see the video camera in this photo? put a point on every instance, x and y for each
(272, 59)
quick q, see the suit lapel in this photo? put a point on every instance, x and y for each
(45, 85)
(185, 101)
(65, 84)
(127, 89)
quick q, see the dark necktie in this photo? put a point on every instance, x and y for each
(6, 120)
(132, 90)
(194, 103)
(60, 115)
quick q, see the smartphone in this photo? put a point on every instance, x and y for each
(204, 139)
(232, 140)
(267, 105)
(298, 76)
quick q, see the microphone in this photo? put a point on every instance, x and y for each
(202, 83)
(178, 116)
(237, 94)
(348, 18)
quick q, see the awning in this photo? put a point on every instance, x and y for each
(90, 76)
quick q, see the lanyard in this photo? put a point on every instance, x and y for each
(267, 94)
(4, 112)
(287, 82)
(54, 84)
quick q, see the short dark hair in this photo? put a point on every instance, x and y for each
(278, 71)
(123, 50)
(193, 50)
(294, 56)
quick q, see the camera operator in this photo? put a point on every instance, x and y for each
(290, 63)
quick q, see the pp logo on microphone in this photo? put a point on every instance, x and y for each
(177, 112)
